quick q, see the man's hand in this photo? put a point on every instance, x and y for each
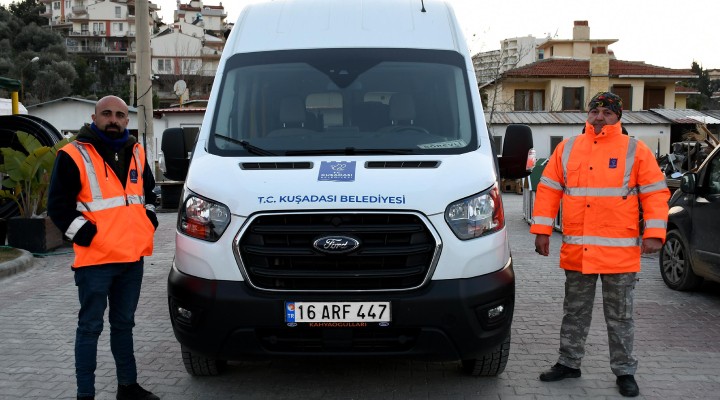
(542, 245)
(651, 245)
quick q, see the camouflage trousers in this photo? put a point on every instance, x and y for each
(617, 293)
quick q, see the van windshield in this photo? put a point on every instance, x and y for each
(344, 101)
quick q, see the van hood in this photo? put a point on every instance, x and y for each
(250, 184)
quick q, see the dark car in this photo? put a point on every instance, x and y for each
(692, 250)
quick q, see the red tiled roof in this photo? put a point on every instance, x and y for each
(685, 90)
(554, 67)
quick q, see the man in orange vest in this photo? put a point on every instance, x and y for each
(101, 198)
(601, 177)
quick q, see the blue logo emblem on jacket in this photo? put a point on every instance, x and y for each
(613, 163)
(133, 176)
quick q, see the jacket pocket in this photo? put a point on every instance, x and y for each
(573, 174)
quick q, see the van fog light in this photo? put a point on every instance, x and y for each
(184, 313)
(495, 312)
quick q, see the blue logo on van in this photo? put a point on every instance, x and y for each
(336, 244)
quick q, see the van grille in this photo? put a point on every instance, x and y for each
(396, 252)
(361, 340)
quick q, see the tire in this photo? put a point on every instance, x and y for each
(492, 363)
(675, 264)
(197, 365)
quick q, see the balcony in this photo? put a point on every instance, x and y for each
(79, 10)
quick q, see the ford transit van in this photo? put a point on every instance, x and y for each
(342, 199)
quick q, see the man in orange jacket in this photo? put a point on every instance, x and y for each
(601, 177)
(101, 198)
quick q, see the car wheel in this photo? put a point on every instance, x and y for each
(492, 363)
(675, 264)
(197, 365)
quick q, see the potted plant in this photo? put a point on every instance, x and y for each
(26, 179)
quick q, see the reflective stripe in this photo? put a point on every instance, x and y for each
(92, 176)
(543, 221)
(138, 163)
(551, 183)
(599, 192)
(150, 207)
(653, 187)
(629, 162)
(74, 227)
(102, 204)
(98, 202)
(602, 241)
(622, 191)
(136, 199)
(655, 223)
(566, 157)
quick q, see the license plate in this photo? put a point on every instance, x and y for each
(377, 311)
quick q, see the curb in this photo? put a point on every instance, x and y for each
(23, 262)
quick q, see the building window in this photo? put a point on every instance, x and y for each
(84, 29)
(541, 54)
(497, 142)
(554, 141)
(56, 5)
(654, 98)
(118, 12)
(625, 93)
(573, 99)
(118, 26)
(164, 65)
(529, 100)
(189, 66)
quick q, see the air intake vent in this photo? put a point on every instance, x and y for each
(402, 164)
(278, 165)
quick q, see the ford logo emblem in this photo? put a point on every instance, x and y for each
(336, 244)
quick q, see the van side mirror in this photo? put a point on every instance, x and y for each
(518, 156)
(688, 183)
(176, 146)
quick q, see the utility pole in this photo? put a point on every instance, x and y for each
(144, 79)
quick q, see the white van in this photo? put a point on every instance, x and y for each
(342, 198)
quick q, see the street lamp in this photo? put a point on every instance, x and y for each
(22, 81)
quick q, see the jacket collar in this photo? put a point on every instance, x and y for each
(608, 131)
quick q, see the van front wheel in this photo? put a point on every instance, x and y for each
(490, 364)
(197, 365)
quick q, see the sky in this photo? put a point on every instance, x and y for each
(666, 33)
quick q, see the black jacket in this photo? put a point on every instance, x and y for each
(65, 183)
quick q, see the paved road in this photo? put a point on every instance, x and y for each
(677, 342)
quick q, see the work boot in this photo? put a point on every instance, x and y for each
(134, 392)
(86, 398)
(559, 372)
(628, 386)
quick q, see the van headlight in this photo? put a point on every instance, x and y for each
(203, 219)
(476, 215)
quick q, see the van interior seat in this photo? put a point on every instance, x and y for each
(402, 109)
(371, 115)
(292, 112)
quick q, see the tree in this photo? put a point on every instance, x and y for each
(705, 86)
(29, 12)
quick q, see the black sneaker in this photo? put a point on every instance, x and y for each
(134, 392)
(627, 385)
(559, 372)
(86, 398)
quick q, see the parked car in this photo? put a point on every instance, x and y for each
(692, 250)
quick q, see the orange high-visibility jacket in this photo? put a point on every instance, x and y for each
(124, 232)
(600, 180)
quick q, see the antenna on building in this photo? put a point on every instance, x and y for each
(180, 89)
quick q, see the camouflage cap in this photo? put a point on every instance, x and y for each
(608, 100)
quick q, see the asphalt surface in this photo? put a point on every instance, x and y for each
(677, 342)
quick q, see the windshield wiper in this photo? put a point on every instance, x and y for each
(246, 145)
(348, 151)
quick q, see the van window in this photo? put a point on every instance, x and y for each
(300, 101)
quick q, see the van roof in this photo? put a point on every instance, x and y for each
(308, 24)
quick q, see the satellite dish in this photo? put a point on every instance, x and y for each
(180, 87)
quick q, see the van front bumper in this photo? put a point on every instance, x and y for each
(442, 321)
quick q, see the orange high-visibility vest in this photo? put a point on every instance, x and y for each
(124, 232)
(600, 180)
